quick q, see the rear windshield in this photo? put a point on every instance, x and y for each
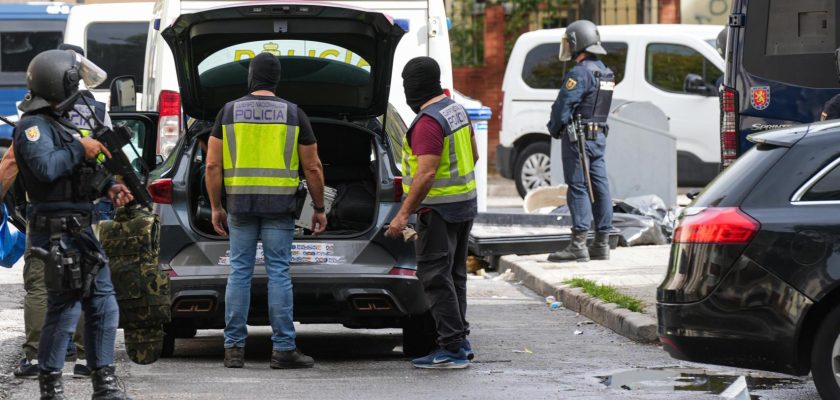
(301, 61)
(118, 48)
(729, 188)
(784, 38)
(20, 41)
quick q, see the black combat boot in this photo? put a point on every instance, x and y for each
(290, 359)
(106, 386)
(51, 386)
(600, 247)
(575, 251)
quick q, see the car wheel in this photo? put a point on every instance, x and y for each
(419, 335)
(825, 357)
(168, 346)
(533, 167)
(186, 332)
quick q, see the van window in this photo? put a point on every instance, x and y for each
(119, 48)
(20, 41)
(544, 70)
(668, 65)
(782, 38)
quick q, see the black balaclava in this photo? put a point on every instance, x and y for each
(421, 81)
(264, 73)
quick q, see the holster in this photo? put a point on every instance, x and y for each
(72, 260)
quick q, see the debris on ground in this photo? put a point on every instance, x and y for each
(582, 323)
(643, 220)
(525, 351)
(578, 332)
(475, 264)
(550, 299)
(737, 390)
(556, 305)
(506, 276)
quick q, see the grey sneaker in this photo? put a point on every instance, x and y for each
(81, 370)
(234, 357)
(290, 359)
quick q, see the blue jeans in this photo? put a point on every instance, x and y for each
(577, 197)
(63, 311)
(276, 234)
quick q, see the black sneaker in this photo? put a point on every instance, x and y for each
(234, 357)
(290, 359)
(81, 370)
(27, 369)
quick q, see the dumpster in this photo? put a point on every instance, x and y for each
(641, 153)
(479, 117)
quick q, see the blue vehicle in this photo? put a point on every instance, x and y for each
(780, 68)
(25, 30)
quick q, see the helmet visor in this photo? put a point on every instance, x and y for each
(565, 49)
(89, 72)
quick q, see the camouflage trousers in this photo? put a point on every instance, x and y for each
(35, 310)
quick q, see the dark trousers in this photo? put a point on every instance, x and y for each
(577, 197)
(442, 269)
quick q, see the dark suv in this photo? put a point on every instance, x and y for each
(336, 65)
(754, 277)
(779, 68)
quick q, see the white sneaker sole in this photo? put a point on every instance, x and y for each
(449, 365)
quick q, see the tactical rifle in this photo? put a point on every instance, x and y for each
(114, 140)
(580, 134)
(7, 121)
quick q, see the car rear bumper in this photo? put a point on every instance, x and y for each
(356, 301)
(751, 320)
(504, 161)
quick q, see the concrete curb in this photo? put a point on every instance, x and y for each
(632, 325)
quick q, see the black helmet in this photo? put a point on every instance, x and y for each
(580, 36)
(53, 77)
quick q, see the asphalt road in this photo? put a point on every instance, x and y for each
(524, 351)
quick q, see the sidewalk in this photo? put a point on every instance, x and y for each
(635, 271)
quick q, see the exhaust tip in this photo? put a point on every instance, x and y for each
(194, 305)
(372, 303)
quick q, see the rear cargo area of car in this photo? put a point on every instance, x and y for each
(349, 161)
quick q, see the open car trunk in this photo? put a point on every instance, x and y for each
(350, 169)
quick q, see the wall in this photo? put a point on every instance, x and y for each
(485, 83)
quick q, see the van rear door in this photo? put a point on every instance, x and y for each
(780, 66)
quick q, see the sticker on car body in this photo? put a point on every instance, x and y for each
(760, 97)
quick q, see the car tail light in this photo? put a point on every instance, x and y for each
(728, 126)
(161, 191)
(165, 268)
(447, 92)
(727, 225)
(402, 271)
(169, 124)
(398, 189)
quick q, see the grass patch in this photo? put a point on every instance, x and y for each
(607, 293)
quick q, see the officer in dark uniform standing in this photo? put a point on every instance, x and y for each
(586, 92)
(59, 171)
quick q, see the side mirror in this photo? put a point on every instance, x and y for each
(123, 92)
(695, 84)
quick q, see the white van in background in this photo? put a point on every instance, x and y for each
(114, 38)
(675, 67)
(424, 20)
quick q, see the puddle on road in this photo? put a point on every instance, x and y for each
(688, 379)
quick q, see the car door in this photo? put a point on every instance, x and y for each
(141, 152)
(673, 72)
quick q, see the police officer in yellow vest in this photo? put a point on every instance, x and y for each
(256, 148)
(439, 184)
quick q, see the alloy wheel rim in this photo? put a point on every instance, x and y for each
(536, 171)
(835, 360)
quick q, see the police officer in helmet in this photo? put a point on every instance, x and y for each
(62, 179)
(580, 111)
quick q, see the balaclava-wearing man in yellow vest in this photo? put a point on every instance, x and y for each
(439, 184)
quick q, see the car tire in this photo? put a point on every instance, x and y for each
(823, 355)
(533, 167)
(419, 335)
(168, 346)
(187, 332)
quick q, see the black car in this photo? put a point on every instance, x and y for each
(754, 273)
(352, 274)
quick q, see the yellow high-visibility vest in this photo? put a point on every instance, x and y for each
(454, 179)
(260, 155)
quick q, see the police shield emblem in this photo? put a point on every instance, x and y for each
(760, 98)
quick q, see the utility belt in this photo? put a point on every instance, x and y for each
(73, 258)
(588, 130)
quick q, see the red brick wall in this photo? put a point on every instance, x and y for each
(669, 11)
(485, 83)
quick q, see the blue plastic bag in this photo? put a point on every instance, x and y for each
(12, 242)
